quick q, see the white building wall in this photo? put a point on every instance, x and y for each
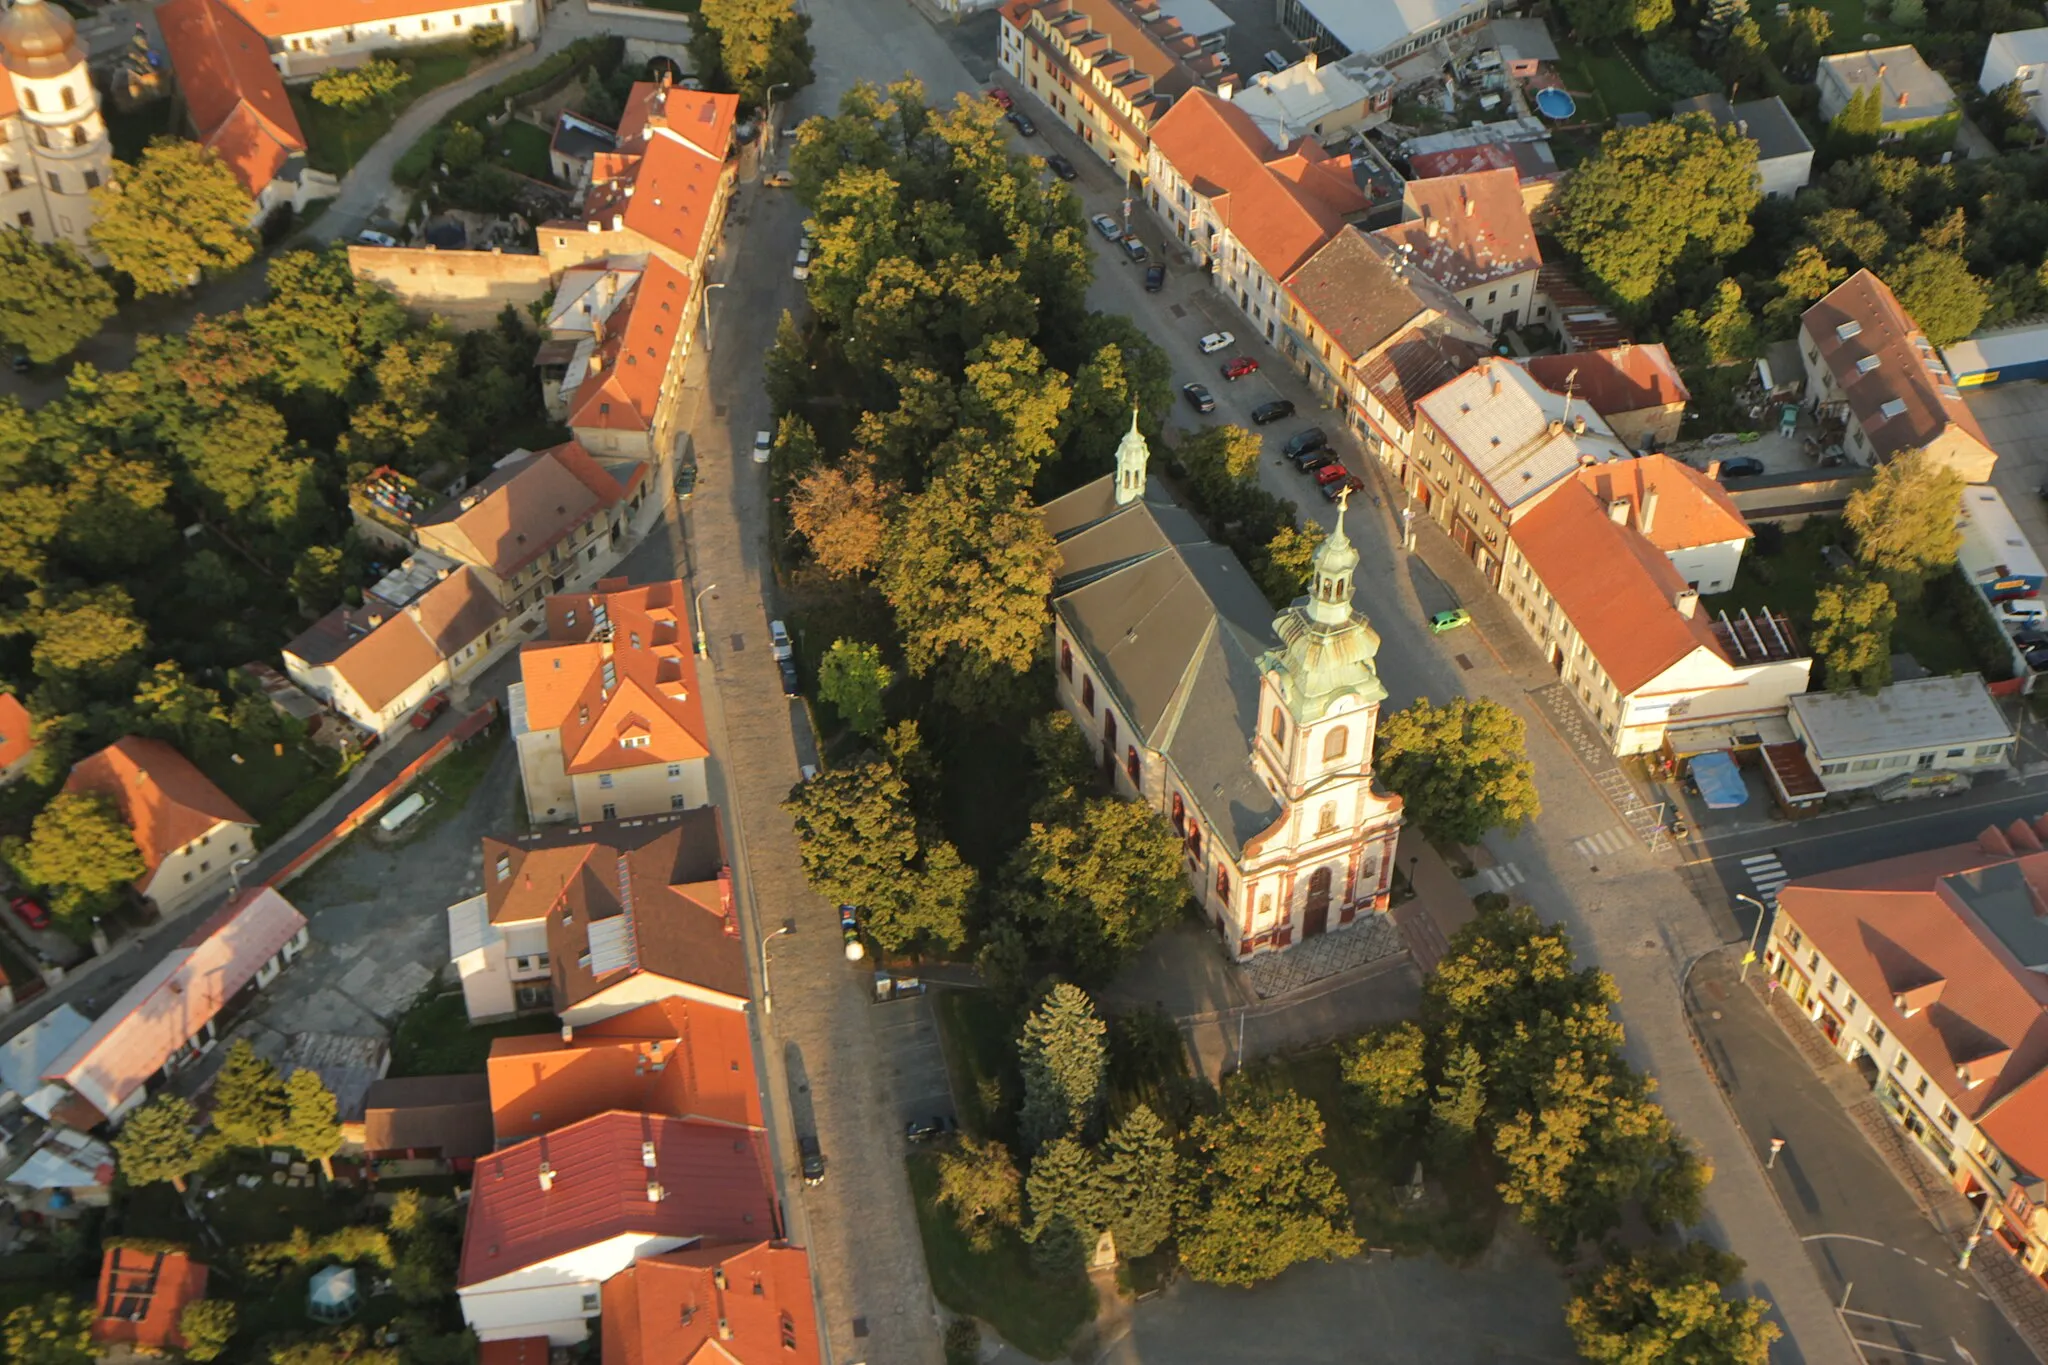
(558, 1298)
(648, 790)
(316, 49)
(1491, 303)
(1781, 177)
(201, 868)
(1709, 568)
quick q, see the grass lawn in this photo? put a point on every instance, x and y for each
(1000, 1285)
(1612, 83)
(435, 1037)
(978, 1037)
(1455, 1220)
(522, 147)
(336, 137)
(279, 789)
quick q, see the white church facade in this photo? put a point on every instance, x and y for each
(54, 150)
(1251, 733)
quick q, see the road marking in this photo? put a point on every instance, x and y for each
(1612, 840)
(1896, 1350)
(1502, 877)
(1845, 1237)
(1767, 875)
(1879, 1317)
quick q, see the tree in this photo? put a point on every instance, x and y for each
(1804, 36)
(346, 1347)
(860, 845)
(461, 148)
(1062, 756)
(1905, 519)
(1141, 1176)
(51, 299)
(1857, 125)
(173, 707)
(852, 679)
(1461, 769)
(1216, 457)
(1063, 1060)
(1459, 1102)
(843, 511)
(249, 1104)
(752, 44)
(1852, 632)
(352, 87)
(54, 1330)
(177, 214)
(1388, 1078)
(1290, 558)
(80, 847)
(1661, 1305)
(968, 580)
(488, 40)
(1727, 329)
(1605, 18)
(1656, 198)
(1802, 281)
(1106, 878)
(90, 638)
(157, 1143)
(979, 1182)
(309, 1123)
(1261, 1199)
(1068, 1208)
(207, 1326)
(1938, 291)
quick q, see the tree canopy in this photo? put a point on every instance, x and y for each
(1461, 769)
(207, 1325)
(249, 1099)
(1064, 1061)
(979, 1182)
(1852, 632)
(157, 1143)
(310, 1126)
(51, 299)
(81, 848)
(1905, 519)
(176, 215)
(861, 845)
(749, 45)
(1099, 878)
(54, 1330)
(1663, 1305)
(852, 679)
(1261, 1198)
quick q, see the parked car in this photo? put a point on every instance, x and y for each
(21, 363)
(1274, 61)
(813, 1159)
(1200, 397)
(1001, 96)
(2027, 636)
(778, 641)
(1234, 370)
(370, 238)
(781, 180)
(1155, 278)
(1134, 249)
(1061, 167)
(1332, 473)
(1302, 442)
(1279, 410)
(1336, 489)
(2037, 659)
(1106, 225)
(1449, 620)
(686, 480)
(924, 1130)
(1215, 342)
(1314, 461)
(802, 269)
(790, 686)
(430, 708)
(31, 912)
(1022, 122)
(1742, 467)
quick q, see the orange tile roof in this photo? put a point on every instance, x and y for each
(1616, 588)
(1615, 379)
(166, 801)
(663, 181)
(525, 507)
(1692, 510)
(1220, 151)
(652, 698)
(674, 1057)
(1467, 230)
(1886, 362)
(676, 1309)
(383, 650)
(280, 18)
(636, 343)
(17, 729)
(141, 1295)
(714, 1182)
(235, 95)
(1157, 60)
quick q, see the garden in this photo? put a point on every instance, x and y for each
(343, 114)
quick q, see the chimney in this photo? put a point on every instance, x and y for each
(724, 1330)
(547, 1177)
(1902, 99)
(1646, 517)
(568, 1030)
(618, 222)
(1883, 67)
(412, 609)
(1712, 471)
(655, 1192)
(1311, 61)
(1617, 512)
(647, 1155)
(1556, 426)
(1687, 600)
(1466, 196)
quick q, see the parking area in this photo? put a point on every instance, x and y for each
(909, 1037)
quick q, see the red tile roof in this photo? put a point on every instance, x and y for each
(1157, 60)
(1467, 230)
(1414, 365)
(279, 18)
(166, 801)
(634, 346)
(1895, 383)
(1615, 379)
(141, 1295)
(676, 1309)
(650, 711)
(663, 181)
(17, 730)
(235, 95)
(1275, 203)
(713, 1181)
(516, 1351)
(675, 1057)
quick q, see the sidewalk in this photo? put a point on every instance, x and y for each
(1881, 1226)
(1440, 907)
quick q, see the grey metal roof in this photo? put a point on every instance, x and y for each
(1766, 122)
(2001, 897)
(1921, 714)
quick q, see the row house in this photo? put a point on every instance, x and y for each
(1106, 69)
(189, 832)
(1925, 972)
(1252, 734)
(1636, 388)
(1251, 212)
(307, 37)
(623, 372)
(1471, 234)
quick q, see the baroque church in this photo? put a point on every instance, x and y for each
(1251, 733)
(54, 150)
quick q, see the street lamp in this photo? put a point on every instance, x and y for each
(767, 995)
(1777, 1146)
(1976, 1236)
(1762, 917)
(707, 315)
(697, 610)
(235, 875)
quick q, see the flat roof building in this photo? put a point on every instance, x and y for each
(1918, 733)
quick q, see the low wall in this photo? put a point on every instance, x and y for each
(1788, 500)
(659, 16)
(468, 288)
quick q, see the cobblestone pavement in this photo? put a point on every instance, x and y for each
(1366, 939)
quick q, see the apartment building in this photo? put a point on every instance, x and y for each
(1471, 234)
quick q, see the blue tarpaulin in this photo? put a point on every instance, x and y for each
(1720, 781)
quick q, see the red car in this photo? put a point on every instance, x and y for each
(1001, 96)
(430, 708)
(31, 912)
(1240, 367)
(1332, 473)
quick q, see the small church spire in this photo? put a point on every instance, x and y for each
(1335, 562)
(1131, 455)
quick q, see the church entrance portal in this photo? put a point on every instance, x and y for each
(1316, 919)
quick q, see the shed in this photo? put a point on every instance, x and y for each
(332, 1296)
(429, 1116)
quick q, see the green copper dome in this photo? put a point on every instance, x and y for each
(1327, 648)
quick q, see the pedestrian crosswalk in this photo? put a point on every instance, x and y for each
(1500, 878)
(1767, 875)
(1612, 840)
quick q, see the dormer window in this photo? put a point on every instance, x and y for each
(1848, 329)
(1867, 364)
(635, 741)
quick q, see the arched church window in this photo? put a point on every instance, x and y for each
(1223, 884)
(1180, 815)
(1195, 843)
(1067, 660)
(1336, 743)
(78, 138)
(70, 98)
(1088, 696)
(1131, 769)
(1279, 727)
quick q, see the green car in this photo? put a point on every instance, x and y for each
(1449, 620)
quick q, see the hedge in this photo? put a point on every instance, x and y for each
(602, 54)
